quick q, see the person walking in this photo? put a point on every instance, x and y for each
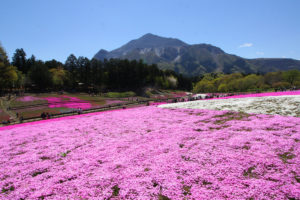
(43, 115)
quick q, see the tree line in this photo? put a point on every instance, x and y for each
(83, 74)
(237, 82)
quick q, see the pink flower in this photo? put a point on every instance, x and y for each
(147, 152)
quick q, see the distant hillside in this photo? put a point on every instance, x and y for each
(275, 64)
(192, 60)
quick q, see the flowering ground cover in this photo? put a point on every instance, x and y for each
(28, 98)
(165, 94)
(263, 94)
(153, 153)
(33, 105)
(67, 102)
(178, 94)
(280, 105)
(109, 102)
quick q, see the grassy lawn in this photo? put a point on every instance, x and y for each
(27, 113)
(165, 94)
(120, 94)
(17, 103)
(34, 104)
(94, 100)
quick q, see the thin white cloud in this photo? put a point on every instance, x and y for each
(246, 45)
(260, 53)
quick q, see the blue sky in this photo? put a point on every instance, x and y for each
(56, 28)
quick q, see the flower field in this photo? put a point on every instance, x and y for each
(285, 104)
(153, 153)
(33, 105)
(68, 102)
(65, 101)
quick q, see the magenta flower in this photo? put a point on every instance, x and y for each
(150, 152)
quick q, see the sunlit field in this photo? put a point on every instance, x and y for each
(153, 153)
(275, 103)
(32, 105)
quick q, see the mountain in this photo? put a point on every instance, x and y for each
(192, 60)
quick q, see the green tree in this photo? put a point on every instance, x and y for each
(291, 76)
(223, 88)
(272, 77)
(21, 79)
(53, 64)
(40, 76)
(71, 65)
(204, 86)
(281, 85)
(8, 76)
(251, 81)
(233, 85)
(84, 70)
(30, 61)
(3, 55)
(19, 60)
(59, 77)
(96, 74)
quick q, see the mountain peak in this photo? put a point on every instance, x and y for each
(150, 40)
(149, 35)
(147, 41)
(195, 59)
(102, 54)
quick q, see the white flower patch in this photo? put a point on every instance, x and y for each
(288, 105)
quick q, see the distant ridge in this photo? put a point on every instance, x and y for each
(192, 60)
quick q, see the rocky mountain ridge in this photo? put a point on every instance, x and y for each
(192, 60)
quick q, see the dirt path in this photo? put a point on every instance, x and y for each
(5, 105)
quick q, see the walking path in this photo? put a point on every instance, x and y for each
(5, 105)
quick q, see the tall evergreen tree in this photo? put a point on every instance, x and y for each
(3, 55)
(53, 64)
(83, 64)
(19, 60)
(40, 76)
(71, 65)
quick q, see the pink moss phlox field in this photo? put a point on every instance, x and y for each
(72, 102)
(178, 94)
(28, 98)
(265, 94)
(157, 103)
(59, 119)
(108, 102)
(145, 152)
